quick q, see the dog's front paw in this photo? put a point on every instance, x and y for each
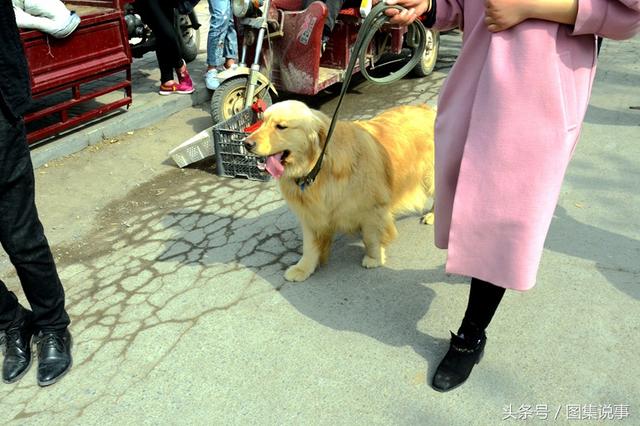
(428, 218)
(370, 262)
(296, 273)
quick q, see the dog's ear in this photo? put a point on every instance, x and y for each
(320, 125)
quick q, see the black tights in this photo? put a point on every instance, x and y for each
(484, 299)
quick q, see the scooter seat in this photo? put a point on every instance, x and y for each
(288, 5)
(298, 5)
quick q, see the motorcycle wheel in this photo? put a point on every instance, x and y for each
(429, 56)
(189, 38)
(228, 99)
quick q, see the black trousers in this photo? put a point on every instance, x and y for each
(159, 16)
(22, 236)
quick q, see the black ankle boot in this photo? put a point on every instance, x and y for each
(17, 353)
(454, 369)
(54, 356)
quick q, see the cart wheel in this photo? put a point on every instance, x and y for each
(189, 38)
(228, 99)
(430, 55)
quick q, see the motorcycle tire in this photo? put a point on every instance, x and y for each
(228, 99)
(188, 37)
(429, 56)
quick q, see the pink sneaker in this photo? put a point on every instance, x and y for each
(183, 87)
(184, 81)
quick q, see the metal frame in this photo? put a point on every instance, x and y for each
(97, 49)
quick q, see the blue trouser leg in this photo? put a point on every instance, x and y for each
(222, 41)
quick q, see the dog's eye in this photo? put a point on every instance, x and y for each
(280, 126)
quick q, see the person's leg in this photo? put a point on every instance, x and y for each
(220, 12)
(230, 43)
(16, 327)
(158, 15)
(334, 7)
(23, 239)
(185, 84)
(8, 306)
(467, 346)
(484, 299)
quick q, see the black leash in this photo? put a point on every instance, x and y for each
(371, 24)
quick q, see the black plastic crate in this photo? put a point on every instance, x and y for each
(232, 159)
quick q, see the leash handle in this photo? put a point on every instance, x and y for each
(370, 26)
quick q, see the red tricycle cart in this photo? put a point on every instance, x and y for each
(282, 51)
(68, 75)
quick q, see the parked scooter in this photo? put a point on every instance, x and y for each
(142, 40)
(282, 52)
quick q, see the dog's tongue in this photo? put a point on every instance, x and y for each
(274, 165)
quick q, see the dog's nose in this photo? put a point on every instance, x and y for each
(249, 144)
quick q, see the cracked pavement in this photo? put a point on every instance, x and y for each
(180, 314)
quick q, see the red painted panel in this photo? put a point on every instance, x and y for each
(98, 47)
(297, 56)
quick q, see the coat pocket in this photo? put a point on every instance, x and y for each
(568, 90)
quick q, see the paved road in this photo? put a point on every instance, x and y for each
(181, 316)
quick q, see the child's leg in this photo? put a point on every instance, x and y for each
(467, 346)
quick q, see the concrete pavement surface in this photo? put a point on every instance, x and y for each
(181, 316)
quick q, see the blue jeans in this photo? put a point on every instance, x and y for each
(222, 42)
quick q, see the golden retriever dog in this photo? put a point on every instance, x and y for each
(373, 170)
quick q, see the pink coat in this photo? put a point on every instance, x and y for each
(509, 117)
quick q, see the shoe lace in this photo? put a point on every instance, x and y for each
(51, 340)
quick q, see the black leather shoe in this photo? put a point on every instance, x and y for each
(456, 366)
(17, 352)
(54, 356)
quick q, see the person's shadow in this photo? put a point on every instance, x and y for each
(385, 304)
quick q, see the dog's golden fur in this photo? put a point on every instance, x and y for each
(372, 170)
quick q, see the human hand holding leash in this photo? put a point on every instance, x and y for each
(414, 9)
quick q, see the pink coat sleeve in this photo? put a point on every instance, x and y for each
(616, 19)
(449, 14)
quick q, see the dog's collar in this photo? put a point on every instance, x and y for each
(307, 180)
(371, 24)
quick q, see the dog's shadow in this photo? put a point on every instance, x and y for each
(385, 304)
